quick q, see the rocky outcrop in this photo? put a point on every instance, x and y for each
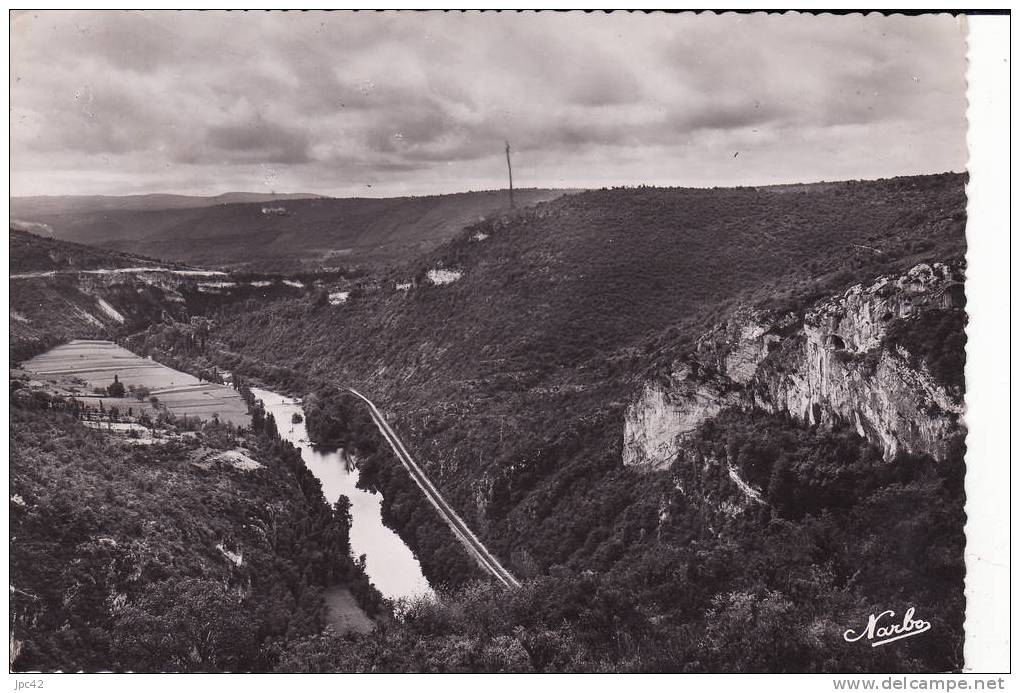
(665, 413)
(830, 364)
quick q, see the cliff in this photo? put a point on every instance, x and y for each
(833, 362)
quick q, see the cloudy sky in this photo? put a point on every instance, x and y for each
(373, 104)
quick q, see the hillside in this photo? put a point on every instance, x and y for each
(41, 205)
(605, 281)
(515, 361)
(286, 234)
(61, 290)
(33, 253)
(196, 552)
(58, 290)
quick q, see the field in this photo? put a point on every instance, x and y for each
(95, 363)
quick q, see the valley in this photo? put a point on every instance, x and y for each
(184, 554)
(649, 412)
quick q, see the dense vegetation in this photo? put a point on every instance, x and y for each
(31, 252)
(48, 310)
(707, 580)
(936, 338)
(160, 558)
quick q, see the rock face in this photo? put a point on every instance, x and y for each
(664, 413)
(829, 365)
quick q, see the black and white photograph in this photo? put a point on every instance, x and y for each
(491, 342)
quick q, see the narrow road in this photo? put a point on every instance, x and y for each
(120, 270)
(459, 527)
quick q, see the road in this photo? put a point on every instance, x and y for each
(459, 527)
(121, 270)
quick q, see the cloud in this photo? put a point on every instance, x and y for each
(257, 141)
(422, 102)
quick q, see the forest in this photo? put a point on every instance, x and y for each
(691, 586)
(158, 558)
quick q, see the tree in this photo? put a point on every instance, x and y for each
(116, 388)
(187, 626)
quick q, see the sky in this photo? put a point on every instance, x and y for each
(383, 104)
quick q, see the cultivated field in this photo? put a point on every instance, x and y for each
(96, 363)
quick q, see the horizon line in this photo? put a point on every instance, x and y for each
(313, 195)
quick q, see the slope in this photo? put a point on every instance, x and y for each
(61, 290)
(163, 557)
(569, 306)
(38, 205)
(318, 231)
(31, 252)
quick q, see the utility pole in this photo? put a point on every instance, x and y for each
(510, 172)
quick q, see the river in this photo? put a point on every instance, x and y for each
(390, 564)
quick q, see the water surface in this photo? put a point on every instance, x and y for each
(390, 564)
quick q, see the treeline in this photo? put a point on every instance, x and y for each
(336, 418)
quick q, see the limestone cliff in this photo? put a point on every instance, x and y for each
(829, 363)
(666, 412)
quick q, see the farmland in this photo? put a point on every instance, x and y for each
(80, 367)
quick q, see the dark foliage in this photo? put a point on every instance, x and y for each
(717, 583)
(123, 557)
(936, 338)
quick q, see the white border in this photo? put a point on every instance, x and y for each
(988, 285)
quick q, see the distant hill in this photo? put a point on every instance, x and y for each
(30, 252)
(26, 208)
(322, 231)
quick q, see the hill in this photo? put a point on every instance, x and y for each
(61, 290)
(41, 205)
(286, 234)
(30, 252)
(604, 280)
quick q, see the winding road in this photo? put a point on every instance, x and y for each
(459, 527)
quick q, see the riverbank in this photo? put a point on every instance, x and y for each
(389, 563)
